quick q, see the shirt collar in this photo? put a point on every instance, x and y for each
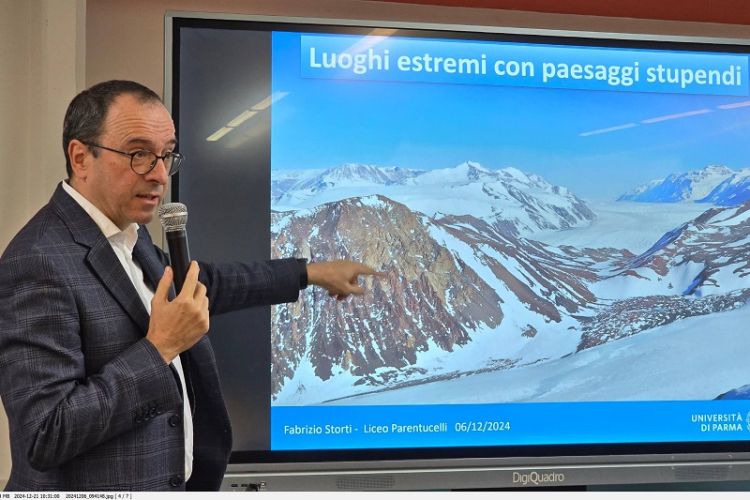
(128, 236)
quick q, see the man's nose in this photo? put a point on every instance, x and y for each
(159, 173)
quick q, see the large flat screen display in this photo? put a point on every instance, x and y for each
(561, 223)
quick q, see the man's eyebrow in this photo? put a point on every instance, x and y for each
(147, 142)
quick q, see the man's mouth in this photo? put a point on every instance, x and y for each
(150, 197)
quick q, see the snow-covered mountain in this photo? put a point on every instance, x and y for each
(705, 256)
(508, 199)
(352, 175)
(735, 190)
(297, 188)
(453, 283)
(462, 299)
(699, 268)
(694, 185)
(283, 180)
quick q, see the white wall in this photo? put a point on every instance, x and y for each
(41, 67)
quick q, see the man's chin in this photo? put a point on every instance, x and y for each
(144, 219)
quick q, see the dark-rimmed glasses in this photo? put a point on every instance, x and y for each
(143, 161)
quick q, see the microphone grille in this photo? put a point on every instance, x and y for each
(173, 216)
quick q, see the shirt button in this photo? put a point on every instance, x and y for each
(174, 420)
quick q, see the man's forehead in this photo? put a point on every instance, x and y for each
(132, 118)
(127, 101)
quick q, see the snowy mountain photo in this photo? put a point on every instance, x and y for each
(537, 244)
(466, 296)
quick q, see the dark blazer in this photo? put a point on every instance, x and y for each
(91, 403)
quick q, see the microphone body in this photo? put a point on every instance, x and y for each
(179, 256)
(173, 217)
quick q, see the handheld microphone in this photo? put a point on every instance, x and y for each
(173, 217)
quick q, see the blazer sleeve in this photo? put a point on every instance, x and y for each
(56, 410)
(233, 286)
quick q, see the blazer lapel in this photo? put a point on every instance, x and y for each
(101, 258)
(144, 254)
(108, 267)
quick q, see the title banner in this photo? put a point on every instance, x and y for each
(378, 58)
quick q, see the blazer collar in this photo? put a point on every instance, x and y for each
(102, 259)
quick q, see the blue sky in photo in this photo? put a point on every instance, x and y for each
(323, 123)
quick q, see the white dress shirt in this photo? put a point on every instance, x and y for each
(123, 243)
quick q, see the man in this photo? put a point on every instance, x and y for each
(108, 380)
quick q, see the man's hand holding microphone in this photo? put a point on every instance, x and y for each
(178, 324)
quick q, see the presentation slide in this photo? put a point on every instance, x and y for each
(563, 230)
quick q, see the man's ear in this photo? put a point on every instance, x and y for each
(78, 154)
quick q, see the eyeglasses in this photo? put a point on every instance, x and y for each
(143, 161)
